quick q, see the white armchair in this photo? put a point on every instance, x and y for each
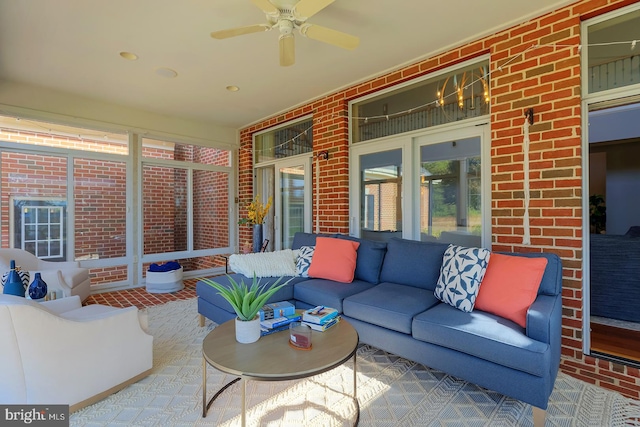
(59, 352)
(67, 276)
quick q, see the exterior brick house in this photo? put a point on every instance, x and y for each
(528, 70)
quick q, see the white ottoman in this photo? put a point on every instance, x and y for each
(159, 282)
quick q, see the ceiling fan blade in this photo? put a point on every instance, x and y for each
(266, 6)
(327, 35)
(287, 50)
(308, 8)
(225, 34)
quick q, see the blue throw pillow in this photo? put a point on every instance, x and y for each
(304, 261)
(412, 263)
(301, 239)
(461, 273)
(369, 261)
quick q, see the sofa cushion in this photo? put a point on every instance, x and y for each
(412, 263)
(210, 294)
(389, 305)
(510, 286)
(483, 335)
(334, 259)
(305, 255)
(370, 257)
(460, 276)
(327, 292)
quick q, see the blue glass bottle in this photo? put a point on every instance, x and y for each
(37, 288)
(14, 282)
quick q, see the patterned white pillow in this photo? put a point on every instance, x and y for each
(304, 261)
(460, 276)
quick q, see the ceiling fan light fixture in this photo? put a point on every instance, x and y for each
(285, 26)
(287, 50)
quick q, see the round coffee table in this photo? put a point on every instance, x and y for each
(272, 359)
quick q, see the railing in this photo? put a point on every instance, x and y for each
(420, 118)
(618, 73)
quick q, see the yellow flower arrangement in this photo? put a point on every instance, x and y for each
(256, 211)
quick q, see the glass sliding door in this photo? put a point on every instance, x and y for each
(450, 192)
(381, 195)
(432, 186)
(293, 200)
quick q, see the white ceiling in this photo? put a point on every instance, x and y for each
(73, 46)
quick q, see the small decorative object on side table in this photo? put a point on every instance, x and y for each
(300, 336)
(37, 288)
(14, 284)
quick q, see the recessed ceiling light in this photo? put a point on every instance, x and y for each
(128, 55)
(233, 88)
(166, 72)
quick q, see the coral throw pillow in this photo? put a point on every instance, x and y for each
(510, 286)
(334, 259)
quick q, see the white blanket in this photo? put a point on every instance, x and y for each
(265, 264)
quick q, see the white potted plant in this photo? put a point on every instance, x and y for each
(246, 302)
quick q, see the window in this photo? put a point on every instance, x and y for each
(41, 228)
(411, 177)
(456, 95)
(286, 141)
(613, 61)
(70, 192)
(185, 202)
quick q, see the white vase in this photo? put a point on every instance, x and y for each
(247, 331)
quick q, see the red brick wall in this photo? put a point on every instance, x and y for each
(545, 78)
(100, 208)
(33, 176)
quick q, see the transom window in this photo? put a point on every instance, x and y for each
(286, 141)
(450, 97)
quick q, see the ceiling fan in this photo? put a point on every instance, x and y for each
(288, 15)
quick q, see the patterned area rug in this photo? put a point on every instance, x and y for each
(392, 391)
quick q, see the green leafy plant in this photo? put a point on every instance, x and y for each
(246, 301)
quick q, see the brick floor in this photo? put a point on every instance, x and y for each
(141, 298)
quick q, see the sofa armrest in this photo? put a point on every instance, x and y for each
(544, 319)
(83, 358)
(63, 305)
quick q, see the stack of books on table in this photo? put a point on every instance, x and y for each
(320, 318)
(275, 317)
(276, 309)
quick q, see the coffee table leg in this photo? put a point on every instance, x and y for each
(244, 402)
(204, 387)
(206, 405)
(355, 389)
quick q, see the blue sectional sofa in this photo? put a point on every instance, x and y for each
(391, 304)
